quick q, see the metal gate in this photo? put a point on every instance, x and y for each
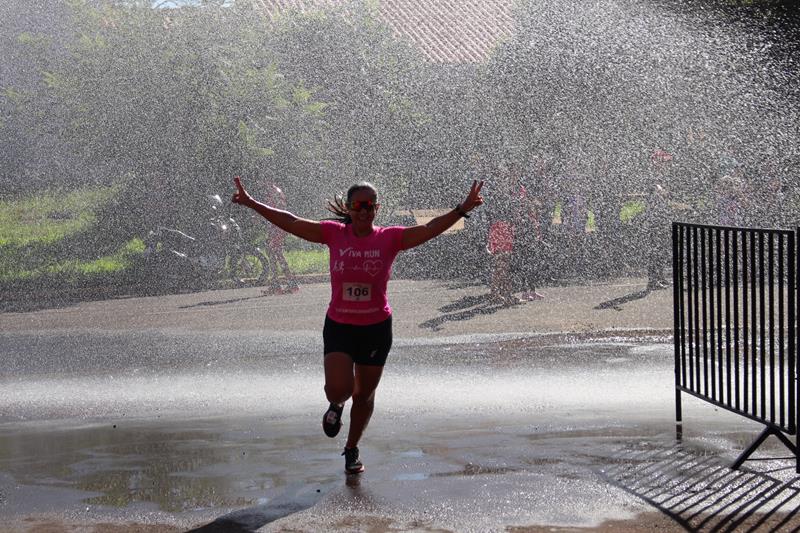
(735, 312)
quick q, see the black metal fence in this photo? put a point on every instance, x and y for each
(735, 313)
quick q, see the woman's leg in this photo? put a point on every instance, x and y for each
(339, 380)
(367, 378)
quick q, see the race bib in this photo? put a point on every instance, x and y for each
(356, 292)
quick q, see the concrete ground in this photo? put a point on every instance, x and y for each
(574, 432)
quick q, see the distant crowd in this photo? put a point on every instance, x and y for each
(541, 226)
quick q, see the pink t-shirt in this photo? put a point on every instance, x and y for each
(360, 268)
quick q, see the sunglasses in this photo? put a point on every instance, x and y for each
(358, 205)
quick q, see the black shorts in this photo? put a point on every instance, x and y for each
(366, 345)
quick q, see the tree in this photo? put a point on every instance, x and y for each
(162, 101)
(367, 79)
(30, 34)
(613, 81)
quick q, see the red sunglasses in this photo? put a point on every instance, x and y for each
(358, 205)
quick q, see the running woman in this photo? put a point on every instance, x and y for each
(357, 334)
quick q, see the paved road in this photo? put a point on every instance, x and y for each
(422, 309)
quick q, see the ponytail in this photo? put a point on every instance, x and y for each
(339, 207)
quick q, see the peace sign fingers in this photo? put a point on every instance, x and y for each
(474, 197)
(240, 196)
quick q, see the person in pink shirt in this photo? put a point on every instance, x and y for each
(357, 334)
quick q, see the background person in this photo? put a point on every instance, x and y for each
(276, 238)
(528, 242)
(574, 219)
(658, 218)
(500, 244)
(358, 324)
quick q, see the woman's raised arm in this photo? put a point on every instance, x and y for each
(416, 235)
(309, 230)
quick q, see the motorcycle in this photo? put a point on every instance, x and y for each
(219, 250)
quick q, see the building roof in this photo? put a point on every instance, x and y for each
(445, 31)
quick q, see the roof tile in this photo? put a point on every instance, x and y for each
(445, 31)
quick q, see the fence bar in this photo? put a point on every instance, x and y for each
(703, 294)
(781, 322)
(753, 323)
(771, 321)
(735, 260)
(677, 310)
(709, 331)
(745, 326)
(762, 326)
(794, 411)
(727, 256)
(696, 365)
(718, 278)
(680, 286)
(690, 302)
(792, 330)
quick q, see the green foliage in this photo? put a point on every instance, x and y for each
(364, 83)
(179, 101)
(37, 230)
(49, 217)
(27, 38)
(190, 97)
(52, 80)
(160, 96)
(46, 221)
(76, 270)
(12, 95)
(630, 210)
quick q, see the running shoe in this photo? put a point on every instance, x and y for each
(288, 290)
(332, 420)
(352, 465)
(532, 296)
(270, 290)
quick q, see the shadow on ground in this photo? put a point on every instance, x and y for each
(293, 500)
(29, 297)
(617, 303)
(466, 308)
(702, 493)
(211, 303)
(59, 292)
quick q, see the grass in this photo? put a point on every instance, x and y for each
(630, 210)
(627, 213)
(75, 269)
(52, 216)
(45, 219)
(307, 261)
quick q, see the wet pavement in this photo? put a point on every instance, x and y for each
(117, 421)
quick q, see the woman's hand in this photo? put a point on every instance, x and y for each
(240, 196)
(474, 198)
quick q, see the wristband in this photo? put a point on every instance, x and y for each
(461, 211)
